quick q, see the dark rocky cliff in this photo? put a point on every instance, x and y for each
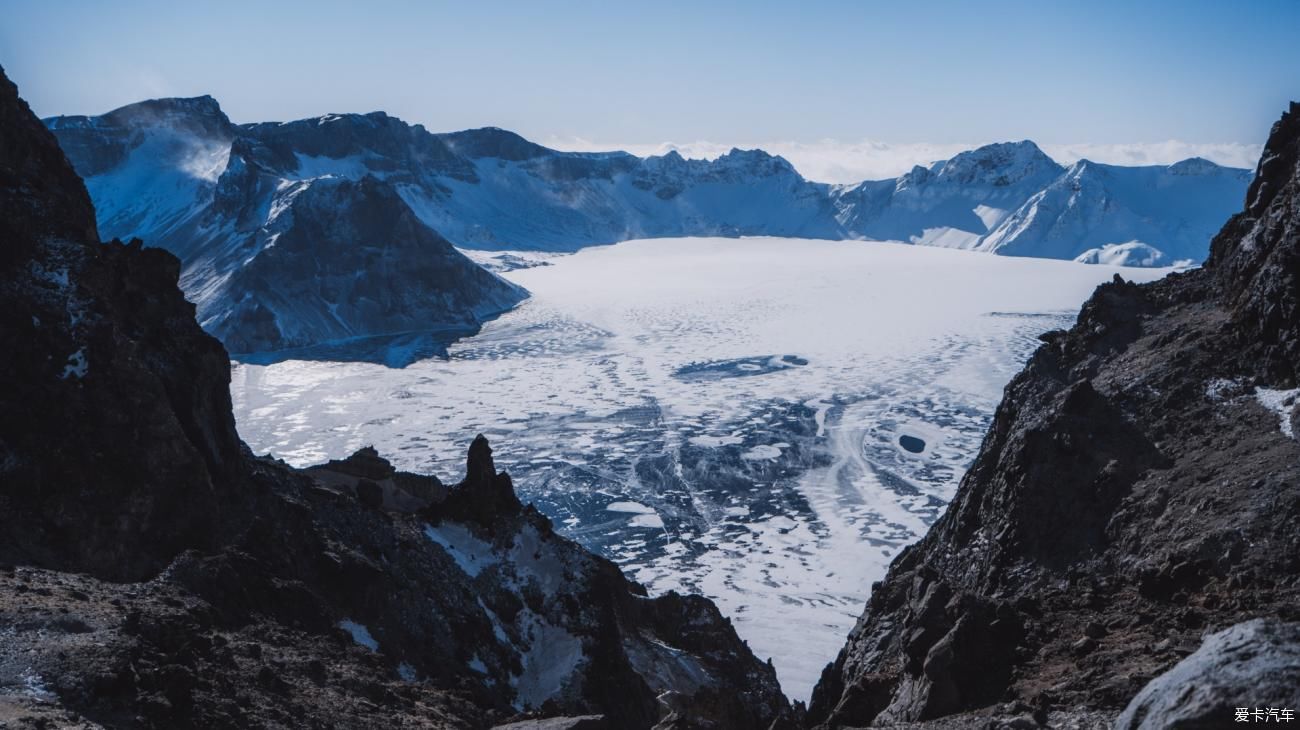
(154, 573)
(117, 442)
(1139, 487)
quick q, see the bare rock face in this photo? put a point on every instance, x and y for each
(350, 260)
(155, 574)
(117, 446)
(1139, 486)
(1256, 258)
(483, 493)
(1253, 665)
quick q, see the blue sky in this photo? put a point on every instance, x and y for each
(614, 73)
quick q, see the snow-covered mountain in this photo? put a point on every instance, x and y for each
(229, 199)
(155, 166)
(1014, 200)
(278, 255)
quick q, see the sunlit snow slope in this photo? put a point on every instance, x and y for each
(765, 421)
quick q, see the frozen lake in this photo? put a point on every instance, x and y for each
(763, 421)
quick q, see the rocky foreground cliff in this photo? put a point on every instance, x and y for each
(154, 573)
(1139, 489)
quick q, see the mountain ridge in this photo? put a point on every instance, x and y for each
(457, 154)
(180, 175)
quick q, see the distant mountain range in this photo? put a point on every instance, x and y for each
(298, 233)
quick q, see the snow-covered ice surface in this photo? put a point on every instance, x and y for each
(763, 421)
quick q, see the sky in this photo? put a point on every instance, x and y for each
(846, 90)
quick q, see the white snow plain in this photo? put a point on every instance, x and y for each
(764, 421)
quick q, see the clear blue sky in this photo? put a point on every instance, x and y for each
(1101, 72)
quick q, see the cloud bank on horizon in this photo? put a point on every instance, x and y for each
(833, 161)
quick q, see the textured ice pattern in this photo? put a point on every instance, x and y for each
(763, 421)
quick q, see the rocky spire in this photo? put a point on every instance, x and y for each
(484, 495)
(479, 468)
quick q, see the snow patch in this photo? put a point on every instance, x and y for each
(1220, 389)
(471, 554)
(552, 656)
(1132, 253)
(713, 442)
(534, 561)
(762, 452)
(360, 634)
(645, 516)
(633, 507)
(33, 685)
(77, 365)
(653, 521)
(1281, 402)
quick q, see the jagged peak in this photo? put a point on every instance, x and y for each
(1278, 170)
(916, 176)
(1278, 164)
(755, 158)
(1001, 163)
(1255, 259)
(750, 154)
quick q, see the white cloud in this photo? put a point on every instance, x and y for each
(847, 162)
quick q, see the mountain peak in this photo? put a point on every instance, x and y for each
(493, 142)
(167, 108)
(755, 161)
(1194, 166)
(197, 115)
(1000, 164)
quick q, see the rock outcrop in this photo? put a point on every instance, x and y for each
(1139, 487)
(347, 260)
(117, 445)
(154, 573)
(1252, 667)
